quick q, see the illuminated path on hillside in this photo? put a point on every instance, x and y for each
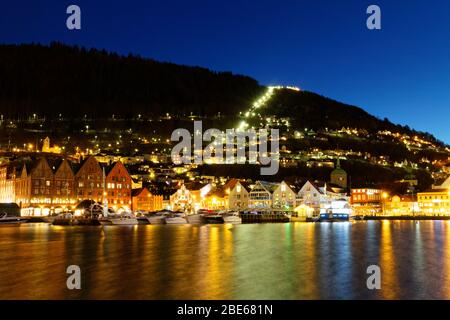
(260, 103)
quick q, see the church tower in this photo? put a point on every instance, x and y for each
(46, 145)
(339, 176)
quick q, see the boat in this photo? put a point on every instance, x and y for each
(62, 219)
(313, 219)
(195, 218)
(126, 219)
(5, 219)
(68, 219)
(213, 218)
(141, 217)
(176, 218)
(158, 217)
(232, 218)
(142, 220)
(335, 211)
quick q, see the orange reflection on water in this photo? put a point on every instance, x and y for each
(389, 280)
(446, 271)
(310, 282)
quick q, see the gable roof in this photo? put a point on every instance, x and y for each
(268, 186)
(314, 185)
(137, 192)
(233, 182)
(446, 184)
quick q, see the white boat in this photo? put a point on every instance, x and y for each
(176, 219)
(156, 219)
(335, 211)
(122, 220)
(8, 220)
(232, 217)
(195, 218)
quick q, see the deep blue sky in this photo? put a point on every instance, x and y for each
(401, 72)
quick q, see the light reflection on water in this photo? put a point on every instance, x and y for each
(257, 261)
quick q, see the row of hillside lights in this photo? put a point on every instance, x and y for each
(261, 102)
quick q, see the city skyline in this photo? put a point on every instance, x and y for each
(396, 72)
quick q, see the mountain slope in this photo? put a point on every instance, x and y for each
(73, 81)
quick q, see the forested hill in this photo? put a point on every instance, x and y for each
(55, 79)
(310, 110)
(73, 81)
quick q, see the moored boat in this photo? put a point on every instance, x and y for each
(232, 218)
(126, 219)
(336, 211)
(156, 219)
(195, 218)
(67, 219)
(5, 219)
(177, 218)
(213, 218)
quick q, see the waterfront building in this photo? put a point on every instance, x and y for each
(401, 205)
(366, 201)
(216, 199)
(183, 200)
(434, 202)
(118, 187)
(41, 188)
(284, 197)
(7, 184)
(238, 195)
(63, 185)
(89, 180)
(38, 194)
(144, 200)
(49, 185)
(314, 196)
(309, 195)
(261, 195)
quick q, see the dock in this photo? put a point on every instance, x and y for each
(264, 217)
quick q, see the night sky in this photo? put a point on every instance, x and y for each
(401, 72)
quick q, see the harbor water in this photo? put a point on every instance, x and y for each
(248, 261)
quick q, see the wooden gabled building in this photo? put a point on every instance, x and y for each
(118, 186)
(89, 181)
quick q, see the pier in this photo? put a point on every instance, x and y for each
(272, 217)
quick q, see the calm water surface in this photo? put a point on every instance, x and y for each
(258, 261)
